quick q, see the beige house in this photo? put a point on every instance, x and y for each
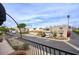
(60, 30)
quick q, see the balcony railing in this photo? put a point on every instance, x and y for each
(41, 49)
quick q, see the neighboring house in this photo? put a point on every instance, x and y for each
(60, 30)
(35, 31)
(38, 30)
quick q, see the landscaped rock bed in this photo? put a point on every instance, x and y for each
(20, 47)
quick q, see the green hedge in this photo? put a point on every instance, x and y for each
(76, 31)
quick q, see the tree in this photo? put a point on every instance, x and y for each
(11, 29)
(34, 28)
(3, 29)
(21, 25)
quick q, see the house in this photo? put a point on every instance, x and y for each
(35, 31)
(60, 30)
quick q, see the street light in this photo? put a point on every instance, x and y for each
(68, 32)
(68, 16)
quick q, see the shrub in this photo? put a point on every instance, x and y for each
(24, 46)
(55, 34)
(42, 34)
(15, 47)
(23, 32)
(1, 33)
(27, 32)
(76, 31)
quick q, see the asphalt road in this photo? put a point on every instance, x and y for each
(52, 43)
(74, 39)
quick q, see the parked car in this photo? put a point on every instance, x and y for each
(47, 34)
(13, 32)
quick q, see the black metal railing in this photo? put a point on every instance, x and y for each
(41, 49)
(45, 50)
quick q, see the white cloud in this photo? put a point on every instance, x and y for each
(34, 21)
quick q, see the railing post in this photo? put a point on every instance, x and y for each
(32, 48)
(38, 49)
(43, 49)
(59, 52)
(54, 52)
(65, 53)
(46, 50)
(50, 51)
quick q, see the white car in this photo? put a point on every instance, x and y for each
(13, 32)
(47, 35)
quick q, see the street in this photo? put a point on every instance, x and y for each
(74, 39)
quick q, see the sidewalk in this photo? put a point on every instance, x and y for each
(5, 48)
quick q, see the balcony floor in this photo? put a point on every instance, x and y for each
(5, 48)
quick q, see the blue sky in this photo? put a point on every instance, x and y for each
(42, 14)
